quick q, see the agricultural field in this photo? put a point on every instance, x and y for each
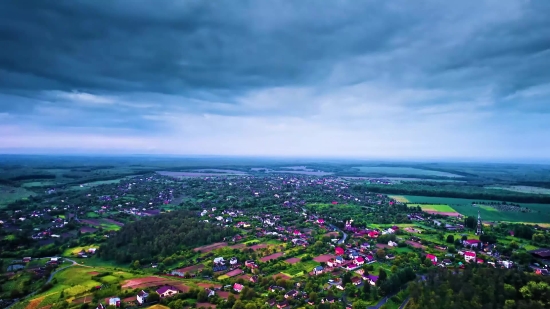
(10, 194)
(540, 214)
(382, 170)
(106, 224)
(71, 252)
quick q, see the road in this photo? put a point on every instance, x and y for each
(74, 263)
(385, 299)
(341, 241)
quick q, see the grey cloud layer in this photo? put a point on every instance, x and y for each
(133, 64)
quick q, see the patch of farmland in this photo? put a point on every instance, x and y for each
(12, 194)
(132, 283)
(324, 258)
(258, 247)
(234, 273)
(293, 260)
(191, 269)
(383, 170)
(272, 257)
(87, 229)
(210, 247)
(434, 207)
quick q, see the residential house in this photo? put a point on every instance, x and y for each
(320, 221)
(142, 297)
(210, 292)
(331, 263)
(469, 256)
(447, 262)
(371, 279)
(250, 264)
(390, 256)
(392, 243)
(356, 281)
(369, 259)
(219, 261)
(233, 261)
(339, 251)
(274, 288)
(254, 279)
(432, 258)
(282, 304)
(167, 291)
(271, 302)
(472, 243)
(359, 261)
(318, 270)
(291, 293)
(114, 301)
(238, 287)
(296, 233)
(339, 260)
(100, 306)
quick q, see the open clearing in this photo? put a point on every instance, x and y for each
(158, 307)
(211, 247)
(271, 257)
(106, 224)
(323, 258)
(383, 170)
(191, 269)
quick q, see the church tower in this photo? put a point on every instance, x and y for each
(479, 224)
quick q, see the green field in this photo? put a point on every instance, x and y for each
(434, 207)
(12, 194)
(383, 170)
(540, 214)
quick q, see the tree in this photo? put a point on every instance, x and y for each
(136, 264)
(382, 276)
(251, 306)
(231, 300)
(238, 305)
(153, 297)
(313, 297)
(450, 239)
(202, 296)
(380, 253)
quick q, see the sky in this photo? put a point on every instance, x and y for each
(352, 79)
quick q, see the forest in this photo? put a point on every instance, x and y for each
(480, 288)
(154, 238)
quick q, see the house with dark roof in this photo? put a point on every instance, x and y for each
(318, 270)
(142, 297)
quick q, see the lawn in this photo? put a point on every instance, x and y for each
(300, 268)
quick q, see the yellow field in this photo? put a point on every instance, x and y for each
(434, 207)
(158, 307)
(399, 198)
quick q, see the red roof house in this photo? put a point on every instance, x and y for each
(238, 287)
(339, 251)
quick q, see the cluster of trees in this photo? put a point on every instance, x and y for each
(480, 288)
(155, 238)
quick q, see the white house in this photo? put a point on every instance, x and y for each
(142, 297)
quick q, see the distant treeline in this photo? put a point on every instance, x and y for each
(33, 177)
(155, 238)
(455, 191)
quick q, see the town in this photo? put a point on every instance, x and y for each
(282, 240)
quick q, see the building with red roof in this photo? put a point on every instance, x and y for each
(469, 256)
(339, 251)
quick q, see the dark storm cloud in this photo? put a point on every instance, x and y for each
(184, 46)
